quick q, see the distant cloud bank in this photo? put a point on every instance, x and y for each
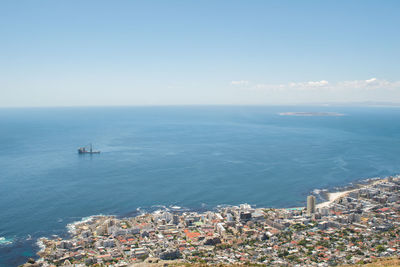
(369, 84)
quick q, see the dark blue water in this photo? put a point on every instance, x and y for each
(187, 156)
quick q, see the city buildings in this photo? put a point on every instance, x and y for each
(358, 227)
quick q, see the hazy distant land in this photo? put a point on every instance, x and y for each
(311, 114)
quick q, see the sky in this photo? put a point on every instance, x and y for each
(110, 53)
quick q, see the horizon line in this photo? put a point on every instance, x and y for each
(325, 104)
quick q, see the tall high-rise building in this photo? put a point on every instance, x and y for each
(310, 205)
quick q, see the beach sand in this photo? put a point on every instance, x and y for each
(332, 197)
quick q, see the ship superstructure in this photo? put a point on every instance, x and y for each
(88, 150)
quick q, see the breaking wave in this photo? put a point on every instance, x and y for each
(5, 241)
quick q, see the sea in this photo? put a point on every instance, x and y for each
(195, 157)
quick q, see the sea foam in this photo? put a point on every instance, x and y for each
(5, 241)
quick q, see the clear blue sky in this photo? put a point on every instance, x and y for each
(73, 52)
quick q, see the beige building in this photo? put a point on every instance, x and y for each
(310, 205)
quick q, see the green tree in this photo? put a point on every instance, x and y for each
(380, 248)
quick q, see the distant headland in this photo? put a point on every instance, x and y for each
(309, 114)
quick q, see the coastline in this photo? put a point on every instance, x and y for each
(233, 234)
(337, 195)
(333, 196)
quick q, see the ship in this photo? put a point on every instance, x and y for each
(86, 150)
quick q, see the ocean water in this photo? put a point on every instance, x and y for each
(194, 157)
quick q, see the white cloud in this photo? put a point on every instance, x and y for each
(372, 80)
(318, 84)
(369, 84)
(240, 83)
(309, 85)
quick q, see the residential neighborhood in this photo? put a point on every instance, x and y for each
(359, 226)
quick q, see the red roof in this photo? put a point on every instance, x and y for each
(191, 235)
(104, 256)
